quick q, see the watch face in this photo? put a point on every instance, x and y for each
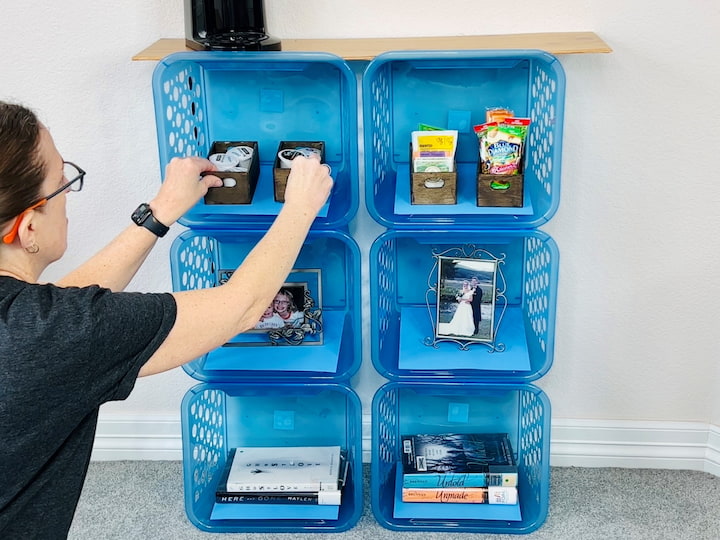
(143, 217)
(141, 213)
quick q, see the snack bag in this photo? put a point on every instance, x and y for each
(428, 127)
(501, 145)
(434, 143)
(434, 150)
(497, 114)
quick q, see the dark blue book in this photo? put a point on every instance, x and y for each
(458, 460)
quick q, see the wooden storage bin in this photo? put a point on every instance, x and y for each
(505, 190)
(487, 195)
(432, 187)
(245, 182)
(280, 175)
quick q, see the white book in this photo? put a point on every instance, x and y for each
(283, 469)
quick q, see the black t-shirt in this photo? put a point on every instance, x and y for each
(63, 352)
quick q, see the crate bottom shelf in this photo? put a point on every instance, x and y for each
(416, 327)
(314, 356)
(466, 197)
(263, 202)
(273, 511)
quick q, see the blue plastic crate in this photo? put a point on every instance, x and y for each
(200, 258)
(403, 283)
(217, 417)
(452, 89)
(268, 97)
(404, 408)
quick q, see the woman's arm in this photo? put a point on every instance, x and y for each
(116, 264)
(207, 318)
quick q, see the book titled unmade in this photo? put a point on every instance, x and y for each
(458, 460)
(482, 495)
(281, 469)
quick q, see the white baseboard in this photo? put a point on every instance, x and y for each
(138, 438)
(712, 458)
(573, 443)
(653, 445)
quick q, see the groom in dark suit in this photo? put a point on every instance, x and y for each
(476, 302)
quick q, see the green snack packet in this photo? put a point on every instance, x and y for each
(427, 127)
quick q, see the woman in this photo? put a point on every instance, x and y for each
(286, 308)
(66, 348)
(462, 323)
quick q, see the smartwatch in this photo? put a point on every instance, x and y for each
(143, 217)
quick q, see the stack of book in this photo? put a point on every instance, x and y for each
(255, 477)
(459, 468)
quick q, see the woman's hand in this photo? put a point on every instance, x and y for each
(207, 318)
(182, 188)
(309, 184)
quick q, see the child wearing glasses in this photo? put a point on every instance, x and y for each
(286, 309)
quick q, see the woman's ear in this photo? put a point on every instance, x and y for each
(27, 231)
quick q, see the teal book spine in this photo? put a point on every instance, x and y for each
(450, 480)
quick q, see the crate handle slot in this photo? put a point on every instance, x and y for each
(434, 183)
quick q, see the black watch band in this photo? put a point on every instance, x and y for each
(143, 217)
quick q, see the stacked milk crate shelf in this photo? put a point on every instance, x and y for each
(439, 386)
(253, 393)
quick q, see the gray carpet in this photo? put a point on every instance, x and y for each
(141, 500)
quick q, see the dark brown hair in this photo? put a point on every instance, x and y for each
(21, 168)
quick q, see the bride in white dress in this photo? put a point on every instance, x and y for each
(462, 323)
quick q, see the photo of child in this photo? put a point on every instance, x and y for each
(269, 320)
(283, 311)
(294, 315)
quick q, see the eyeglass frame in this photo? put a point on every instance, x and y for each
(9, 238)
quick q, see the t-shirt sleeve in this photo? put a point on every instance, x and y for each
(90, 336)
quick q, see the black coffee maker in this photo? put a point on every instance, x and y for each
(227, 25)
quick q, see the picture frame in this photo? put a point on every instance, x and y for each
(466, 296)
(294, 316)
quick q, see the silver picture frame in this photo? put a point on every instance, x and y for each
(466, 297)
(294, 316)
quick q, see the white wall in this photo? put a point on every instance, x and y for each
(637, 334)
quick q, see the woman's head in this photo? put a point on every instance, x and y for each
(31, 169)
(22, 168)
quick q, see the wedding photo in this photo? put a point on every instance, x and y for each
(466, 299)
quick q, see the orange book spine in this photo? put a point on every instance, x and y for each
(478, 495)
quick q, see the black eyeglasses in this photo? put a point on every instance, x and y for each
(75, 178)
